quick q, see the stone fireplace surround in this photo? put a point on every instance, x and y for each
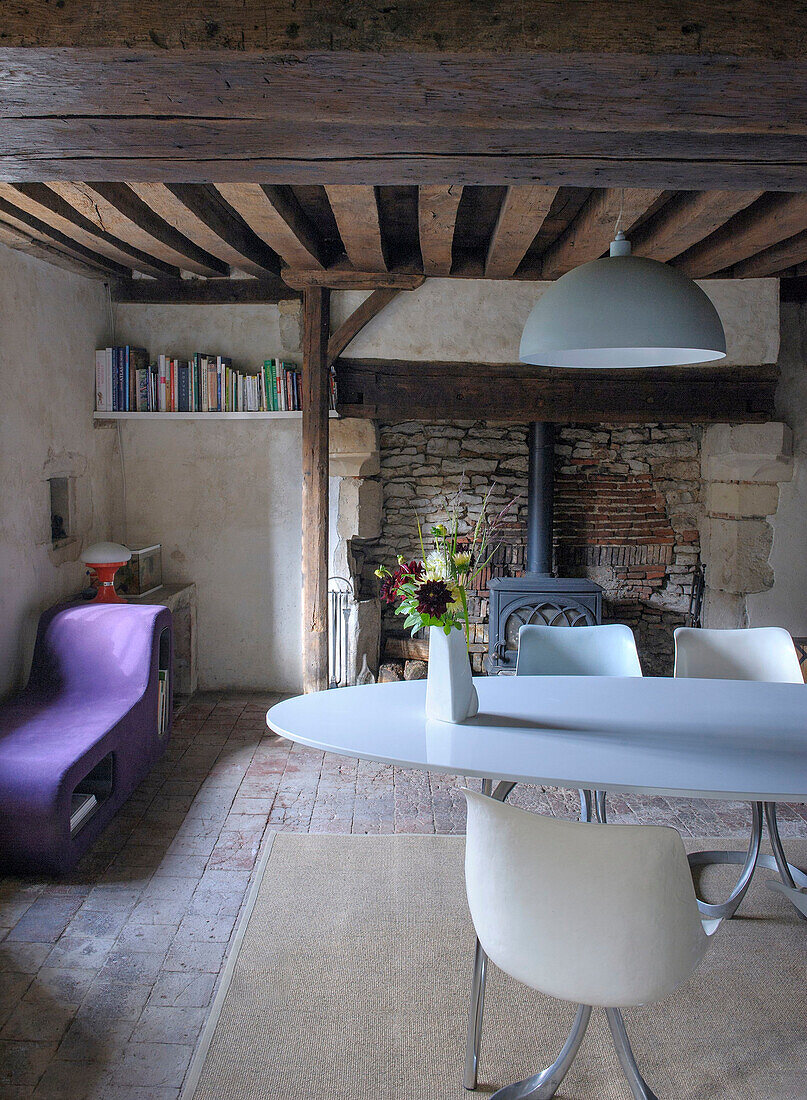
(636, 508)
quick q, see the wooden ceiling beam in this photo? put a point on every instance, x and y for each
(686, 219)
(52, 210)
(115, 207)
(521, 215)
(391, 389)
(51, 241)
(771, 219)
(203, 291)
(739, 27)
(355, 209)
(346, 278)
(398, 118)
(437, 220)
(275, 215)
(200, 214)
(589, 235)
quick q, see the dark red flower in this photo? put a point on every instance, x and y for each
(434, 598)
(389, 587)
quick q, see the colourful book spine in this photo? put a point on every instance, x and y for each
(100, 381)
(162, 384)
(142, 377)
(109, 389)
(273, 388)
(116, 387)
(183, 392)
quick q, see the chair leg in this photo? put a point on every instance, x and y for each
(475, 1011)
(791, 876)
(480, 970)
(545, 1084)
(749, 860)
(638, 1086)
(599, 801)
(585, 805)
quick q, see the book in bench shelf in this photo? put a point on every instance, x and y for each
(82, 805)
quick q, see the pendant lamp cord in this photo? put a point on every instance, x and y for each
(621, 208)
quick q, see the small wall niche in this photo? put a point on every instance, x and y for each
(61, 519)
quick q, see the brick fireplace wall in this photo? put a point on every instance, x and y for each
(627, 510)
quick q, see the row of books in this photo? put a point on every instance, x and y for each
(125, 381)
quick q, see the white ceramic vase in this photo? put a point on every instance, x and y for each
(450, 692)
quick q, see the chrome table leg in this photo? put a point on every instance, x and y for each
(599, 805)
(545, 1084)
(638, 1086)
(585, 805)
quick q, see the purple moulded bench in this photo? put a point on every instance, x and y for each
(87, 722)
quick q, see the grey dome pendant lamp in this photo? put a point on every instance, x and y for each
(622, 311)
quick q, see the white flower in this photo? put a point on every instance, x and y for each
(435, 567)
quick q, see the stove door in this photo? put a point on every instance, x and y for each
(541, 612)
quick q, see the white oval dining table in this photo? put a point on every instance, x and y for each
(723, 739)
(652, 735)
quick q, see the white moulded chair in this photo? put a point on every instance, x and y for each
(599, 915)
(764, 653)
(608, 650)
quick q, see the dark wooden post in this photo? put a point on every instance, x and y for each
(316, 327)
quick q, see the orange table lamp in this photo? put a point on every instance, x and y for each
(106, 558)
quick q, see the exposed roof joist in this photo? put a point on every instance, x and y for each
(773, 218)
(357, 216)
(115, 208)
(51, 243)
(437, 219)
(687, 218)
(275, 215)
(54, 211)
(199, 213)
(589, 235)
(520, 217)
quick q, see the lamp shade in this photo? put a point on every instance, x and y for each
(622, 311)
(106, 553)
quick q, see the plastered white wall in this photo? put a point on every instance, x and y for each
(481, 320)
(51, 321)
(785, 604)
(224, 499)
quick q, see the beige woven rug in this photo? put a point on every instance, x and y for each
(351, 983)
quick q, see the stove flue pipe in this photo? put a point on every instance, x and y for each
(540, 497)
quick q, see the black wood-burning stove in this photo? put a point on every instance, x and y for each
(538, 596)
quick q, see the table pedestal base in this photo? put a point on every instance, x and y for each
(749, 860)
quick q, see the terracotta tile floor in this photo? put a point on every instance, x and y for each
(106, 976)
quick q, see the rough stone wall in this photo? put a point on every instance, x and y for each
(627, 508)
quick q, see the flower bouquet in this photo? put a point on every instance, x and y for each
(432, 591)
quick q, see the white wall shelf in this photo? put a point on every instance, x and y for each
(201, 415)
